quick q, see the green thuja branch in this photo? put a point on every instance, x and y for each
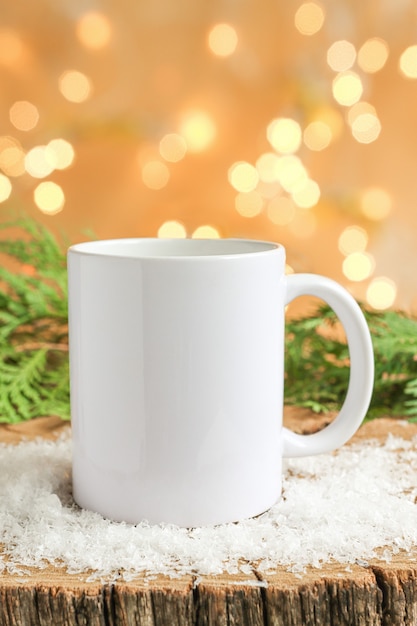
(33, 325)
(317, 362)
(34, 373)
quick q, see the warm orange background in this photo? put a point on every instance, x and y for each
(148, 64)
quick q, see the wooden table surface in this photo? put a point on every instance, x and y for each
(376, 593)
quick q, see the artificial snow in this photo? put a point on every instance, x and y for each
(349, 506)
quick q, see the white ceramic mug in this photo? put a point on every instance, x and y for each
(177, 370)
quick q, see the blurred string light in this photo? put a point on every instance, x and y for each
(408, 62)
(347, 88)
(263, 184)
(308, 195)
(376, 203)
(309, 18)
(360, 108)
(49, 197)
(243, 176)
(353, 239)
(12, 156)
(61, 153)
(41, 161)
(198, 130)
(75, 86)
(24, 115)
(358, 266)
(341, 55)
(206, 232)
(284, 135)
(366, 128)
(373, 55)
(364, 122)
(222, 40)
(291, 173)
(5, 188)
(172, 229)
(94, 30)
(381, 293)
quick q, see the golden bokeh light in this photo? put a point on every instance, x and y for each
(376, 203)
(61, 153)
(40, 162)
(381, 293)
(309, 18)
(243, 176)
(366, 128)
(206, 232)
(11, 47)
(347, 88)
(408, 62)
(249, 204)
(317, 135)
(358, 266)
(267, 166)
(94, 30)
(341, 55)
(12, 156)
(353, 239)
(284, 134)
(290, 122)
(155, 174)
(5, 188)
(281, 210)
(308, 195)
(373, 55)
(360, 108)
(291, 173)
(172, 147)
(75, 86)
(222, 40)
(24, 115)
(49, 197)
(172, 229)
(198, 129)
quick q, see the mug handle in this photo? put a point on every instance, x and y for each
(361, 378)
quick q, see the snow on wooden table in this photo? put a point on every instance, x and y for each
(364, 496)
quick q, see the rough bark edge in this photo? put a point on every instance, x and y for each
(383, 595)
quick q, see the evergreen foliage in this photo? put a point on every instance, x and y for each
(34, 371)
(317, 362)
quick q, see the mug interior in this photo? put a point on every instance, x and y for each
(154, 248)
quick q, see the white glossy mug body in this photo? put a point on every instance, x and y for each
(177, 373)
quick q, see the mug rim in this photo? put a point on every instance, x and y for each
(197, 248)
